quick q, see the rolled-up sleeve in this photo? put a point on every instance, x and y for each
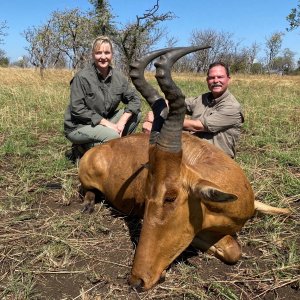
(190, 104)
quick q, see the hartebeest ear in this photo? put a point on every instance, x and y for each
(204, 189)
(208, 191)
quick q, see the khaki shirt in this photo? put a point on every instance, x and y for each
(93, 97)
(222, 118)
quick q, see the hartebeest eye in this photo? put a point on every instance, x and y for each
(170, 199)
(170, 195)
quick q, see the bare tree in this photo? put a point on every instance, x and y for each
(66, 37)
(4, 60)
(243, 59)
(73, 31)
(138, 37)
(171, 41)
(3, 28)
(70, 32)
(222, 47)
(184, 64)
(273, 46)
(252, 54)
(41, 45)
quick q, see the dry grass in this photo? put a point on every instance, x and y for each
(49, 250)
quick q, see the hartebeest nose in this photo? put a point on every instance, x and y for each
(140, 285)
(136, 283)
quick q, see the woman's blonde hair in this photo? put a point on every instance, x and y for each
(98, 41)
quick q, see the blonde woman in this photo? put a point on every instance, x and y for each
(93, 117)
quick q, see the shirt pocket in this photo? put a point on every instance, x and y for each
(116, 96)
(90, 98)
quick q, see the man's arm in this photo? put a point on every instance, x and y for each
(193, 125)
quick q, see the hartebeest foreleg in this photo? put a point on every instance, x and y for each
(225, 248)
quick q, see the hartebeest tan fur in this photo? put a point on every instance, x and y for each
(186, 190)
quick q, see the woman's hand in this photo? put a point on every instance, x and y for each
(120, 127)
(122, 122)
(109, 124)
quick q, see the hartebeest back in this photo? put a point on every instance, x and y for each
(186, 190)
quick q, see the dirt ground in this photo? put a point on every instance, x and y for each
(50, 250)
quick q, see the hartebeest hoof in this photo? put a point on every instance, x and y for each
(89, 202)
(88, 208)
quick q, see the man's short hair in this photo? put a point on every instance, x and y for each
(219, 63)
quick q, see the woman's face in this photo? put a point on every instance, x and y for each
(102, 56)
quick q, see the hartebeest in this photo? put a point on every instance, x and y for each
(186, 190)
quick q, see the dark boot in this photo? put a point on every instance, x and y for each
(75, 153)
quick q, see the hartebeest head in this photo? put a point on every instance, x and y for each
(164, 233)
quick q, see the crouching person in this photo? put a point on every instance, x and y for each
(93, 115)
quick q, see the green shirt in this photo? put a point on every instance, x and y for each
(94, 97)
(222, 119)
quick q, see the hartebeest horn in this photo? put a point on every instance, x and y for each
(137, 69)
(156, 102)
(170, 135)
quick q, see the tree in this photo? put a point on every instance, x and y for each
(104, 24)
(137, 38)
(240, 61)
(273, 46)
(22, 62)
(252, 52)
(68, 35)
(3, 28)
(222, 49)
(294, 18)
(4, 60)
(285, 63)
(41, 45)
(243, 59)
(73, 32)
(257, 68)
(65, 37)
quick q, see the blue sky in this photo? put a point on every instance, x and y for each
(249, 20)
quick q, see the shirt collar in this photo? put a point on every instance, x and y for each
(211, 101)
(100, 75)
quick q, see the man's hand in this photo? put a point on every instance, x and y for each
(148, 121)
(149, 117)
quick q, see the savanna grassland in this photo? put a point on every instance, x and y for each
(50, 250)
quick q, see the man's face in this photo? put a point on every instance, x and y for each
(217, 81)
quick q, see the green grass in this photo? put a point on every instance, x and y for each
(40, 233)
